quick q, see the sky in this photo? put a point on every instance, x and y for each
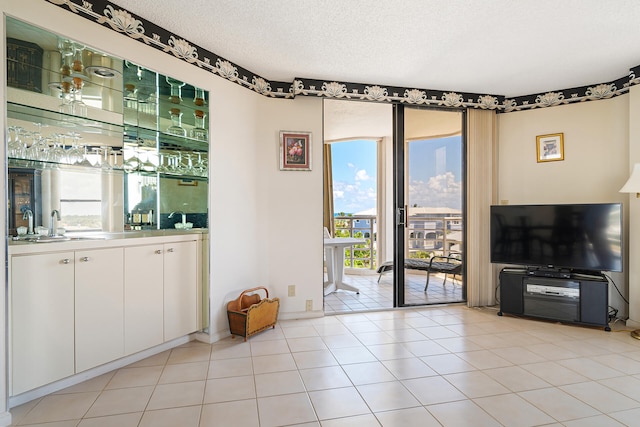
(435, 174)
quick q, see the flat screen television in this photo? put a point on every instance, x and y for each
(581, 237)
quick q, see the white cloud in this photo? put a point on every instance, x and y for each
(440, 191)
(352, 198)
(361, 175)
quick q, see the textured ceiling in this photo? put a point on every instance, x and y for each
(499, 47)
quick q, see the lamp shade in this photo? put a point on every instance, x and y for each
(633, 183)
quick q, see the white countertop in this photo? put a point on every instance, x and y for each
(97, 240)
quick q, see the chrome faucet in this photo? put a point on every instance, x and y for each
(184, 216)
(52, 225)
(28, 215)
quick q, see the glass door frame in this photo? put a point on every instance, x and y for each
(400, 220)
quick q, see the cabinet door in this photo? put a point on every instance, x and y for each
(143, 297)
(180, 289)
(511, 290)
(42, 344)
(99, 304)
(594, 302)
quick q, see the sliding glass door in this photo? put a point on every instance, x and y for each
(394, 176)
(428, 197)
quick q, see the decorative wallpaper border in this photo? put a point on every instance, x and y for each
(122, 21)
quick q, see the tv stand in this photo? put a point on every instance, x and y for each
(565, 296)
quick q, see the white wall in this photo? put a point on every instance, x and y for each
(290, 235)
(595, 165)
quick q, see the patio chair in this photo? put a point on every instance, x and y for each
(449, 264)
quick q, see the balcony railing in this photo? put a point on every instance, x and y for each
(431, 235)
(359, 226)
(427, 235)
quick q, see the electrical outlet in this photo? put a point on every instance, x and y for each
(504, 202)
(292, 290)
(309, 305)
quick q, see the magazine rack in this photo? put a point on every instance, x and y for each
(249, 314)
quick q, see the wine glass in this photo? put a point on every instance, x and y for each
(38, 148)
(104, 154)
(75, 153)
(58, 154)
(15, 144)
(131, 161)
(84, 158)
(147, 165)
(201, 165)
(187, 167)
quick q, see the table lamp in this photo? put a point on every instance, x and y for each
(633, 186)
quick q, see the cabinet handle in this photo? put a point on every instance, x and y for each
(170, 250)
(158, 251)
(66, 261)
(84, 259)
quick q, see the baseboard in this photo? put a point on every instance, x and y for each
(5, 419)
(301, 315)
(632, 323)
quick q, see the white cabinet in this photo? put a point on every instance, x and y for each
(76, 307)
(99, 307)
(42, 319)
(161, 293)
(180, 289)
(143, 297)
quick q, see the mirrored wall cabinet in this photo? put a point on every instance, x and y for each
(108, 143)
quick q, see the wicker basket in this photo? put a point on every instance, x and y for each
(248, 314)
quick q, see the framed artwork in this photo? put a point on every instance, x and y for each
(550, 148)
(295, 151)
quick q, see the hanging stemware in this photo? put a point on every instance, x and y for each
(147, 165)
(104, 157)
(75, 153)
(15, 145)
(58, 154)
(131, 160)
(38, 148)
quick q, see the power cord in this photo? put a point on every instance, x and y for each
(615, 286)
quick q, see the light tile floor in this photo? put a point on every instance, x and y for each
(376, 296)
(434, 366)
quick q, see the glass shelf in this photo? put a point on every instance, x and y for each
(47, 118)
(134, 135)
(16, 163)
(169, 175)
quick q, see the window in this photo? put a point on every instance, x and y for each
(80, 201)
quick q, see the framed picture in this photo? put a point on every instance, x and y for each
(295, 151)
(550, 148)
